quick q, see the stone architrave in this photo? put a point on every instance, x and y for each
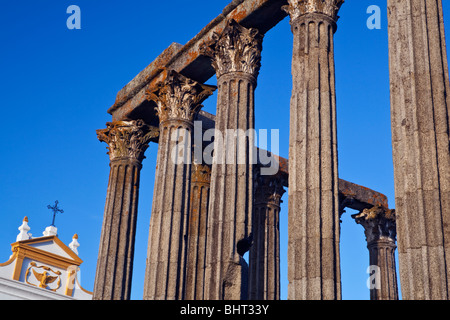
(127, 142)
(264, 257)
(380, 229)
(198, 224)
(178, 100)
(236, 56)
(313, 250)
(420, 119)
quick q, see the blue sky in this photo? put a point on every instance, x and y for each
(56, 85)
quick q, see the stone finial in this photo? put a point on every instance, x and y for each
(178, 97)
(236, 49)
(74, 244)
(298, 8)
(50, 231)
(127, 139)
(24, 228)
(378, 222)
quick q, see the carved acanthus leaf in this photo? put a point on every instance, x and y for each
(378, 223)
(178, 97)
(297, 8)
(127, 139)
(269, 189)
(236, 49)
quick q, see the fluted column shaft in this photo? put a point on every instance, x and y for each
(127, 142)
(198, 223)
(264, 257)
(164, 277)
(178, 99)
(236, 57)
(420, 134)
(380, 229)
(382, 254)
(313, 250)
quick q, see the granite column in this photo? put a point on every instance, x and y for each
(178, 99)
(264, 257)
(380, 229)
(313, 252)
(127, 142)
(420, 118)
(236, 55)
(198, 224)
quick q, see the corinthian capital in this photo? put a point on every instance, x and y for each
(236, 49)
(269, 189)
(178, 97)
(297, 8)
(378, 222)
(127, 139)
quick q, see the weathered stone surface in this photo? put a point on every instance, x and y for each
(236, 55)
(380, 229)
(236, 49)
(420, 136)
(178, 99)
(198, 224)
(264, 257)
(299, 8)
(127, 142)
(358, 197)
(313, 265)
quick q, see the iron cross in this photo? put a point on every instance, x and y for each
(55, 210)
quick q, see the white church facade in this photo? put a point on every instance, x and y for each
(42, 268)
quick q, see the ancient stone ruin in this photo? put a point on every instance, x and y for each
(206, 216)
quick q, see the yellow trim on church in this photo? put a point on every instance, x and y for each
(24, 250)
(11, 260)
